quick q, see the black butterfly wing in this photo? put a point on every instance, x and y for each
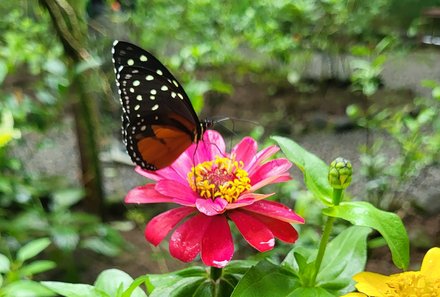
(159, 122)
(126, 54)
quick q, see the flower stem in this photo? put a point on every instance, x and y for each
(322, 246)
(337, 195)
(215, 275)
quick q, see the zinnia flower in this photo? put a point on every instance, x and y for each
(423, 283)
(212, 187)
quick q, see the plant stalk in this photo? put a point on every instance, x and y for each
(337, 196)
(215, 275)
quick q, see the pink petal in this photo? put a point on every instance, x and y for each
(270, 180)
(175, 172)
(146, 194)
(158, 228)
(186, 241)
(245, 150)
(275, 167)
(281, 230)
(274, 210)
(247, 199)
(210, 146)
(256, 233)
(217, 244)
(216, 143)
(261, 156)
(211, 208)
(153, 175)
(182, 194)
(181, 167)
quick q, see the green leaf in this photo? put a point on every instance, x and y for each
(389, 225)
(32, 249)
(101, 246)
(181, 288)
(65, 237)
(436, 93)
(65, 198)
(314, 169)
(345, 256)
(5, 264)
(205, 290)
(169, 278)
(311, 292)
(266, 279)
(110, 280)
(75, 290)
(26, 288)
(179, 283)
(37, 267)
(300, 261)
(134, 285)
(3, 71)
(239, 266)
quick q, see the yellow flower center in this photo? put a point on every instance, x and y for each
(412, 284)
(220, 178)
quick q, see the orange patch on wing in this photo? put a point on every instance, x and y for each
(165, 147)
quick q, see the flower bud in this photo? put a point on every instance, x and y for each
(339, 174)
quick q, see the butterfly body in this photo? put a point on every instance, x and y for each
(158, 120)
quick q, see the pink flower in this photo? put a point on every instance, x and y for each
(219, 187)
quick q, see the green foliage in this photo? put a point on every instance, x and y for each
(358, 213)
(345, 256)
(68, 230)
(388, 224)
(413, 130)
(366, 69)
(193, 281)
(110, 283)
(266, 279)
(315, 171)
(16, 273)
(7, 131)
(196, 281)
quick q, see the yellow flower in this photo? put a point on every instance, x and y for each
(423, 283)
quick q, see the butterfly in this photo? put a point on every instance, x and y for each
(158, 120)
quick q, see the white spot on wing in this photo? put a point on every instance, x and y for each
(143, 58)
(159, 72)
(130, 62)
(149, 77)
(164, 88)
(155, 107)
